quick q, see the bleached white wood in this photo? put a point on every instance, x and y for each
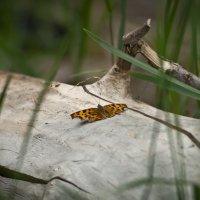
(98, 157)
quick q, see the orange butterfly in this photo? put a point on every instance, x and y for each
(99, 113)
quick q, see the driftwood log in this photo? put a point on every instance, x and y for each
(143, 152)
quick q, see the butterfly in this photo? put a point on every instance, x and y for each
(99, 113)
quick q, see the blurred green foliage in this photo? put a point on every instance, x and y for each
(177, 38)
(30, 29)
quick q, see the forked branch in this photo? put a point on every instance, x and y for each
(133, 44)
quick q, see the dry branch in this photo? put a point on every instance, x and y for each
(167, 66)
(130, 46)
(133, 44)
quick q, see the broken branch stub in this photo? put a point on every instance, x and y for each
(130, 46)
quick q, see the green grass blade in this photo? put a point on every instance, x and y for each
(196, 192)
(80, 40)
(194, 49)
(164, 84)
(169, 19)
(175, 84)
(122, 22)
(41, 96)
(185, 13)
(3, 93)
(109, 7)
(146, 77)
(156, 181)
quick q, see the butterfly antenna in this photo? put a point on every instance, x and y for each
(81, 83)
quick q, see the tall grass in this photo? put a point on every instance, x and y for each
(49, 78)
(28, 35)
(4, 90)
(79, 44)
(175, 27)
(110, 7)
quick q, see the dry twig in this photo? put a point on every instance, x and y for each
(133, 44)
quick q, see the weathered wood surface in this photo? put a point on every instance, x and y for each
(98, 157)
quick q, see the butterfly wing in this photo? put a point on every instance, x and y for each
(102, 112)
(95, 117)
(90, 114)
(114, 109)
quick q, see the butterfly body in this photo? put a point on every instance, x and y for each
(99, 113)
